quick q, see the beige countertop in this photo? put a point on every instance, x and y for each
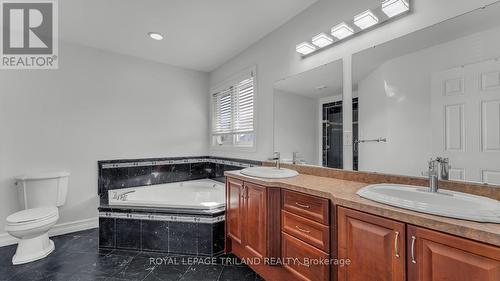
(343, 193)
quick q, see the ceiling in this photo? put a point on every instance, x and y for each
(198, 34)
(322, 81)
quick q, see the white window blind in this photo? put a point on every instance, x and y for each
(233, 107)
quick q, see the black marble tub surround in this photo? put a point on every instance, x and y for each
(116, 174)
(167, 230)
(77, 258)
(170, 234)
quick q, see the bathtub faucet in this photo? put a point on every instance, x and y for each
(121, 196)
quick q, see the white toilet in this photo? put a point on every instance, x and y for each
(40, 195)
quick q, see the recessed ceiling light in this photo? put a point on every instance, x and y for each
(341, 31)
(155, 35)
(365, 19)
(322, 40)
(305, 48)
(395, 7)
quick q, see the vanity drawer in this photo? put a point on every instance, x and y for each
(299, 254)
(311, 207)
(306, 230)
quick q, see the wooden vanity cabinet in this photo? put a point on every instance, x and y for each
(375, 247)
(266, 222)
(435, 256)
(252, 219)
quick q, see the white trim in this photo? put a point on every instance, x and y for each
(6, 239)
(58, 229)
(224, 83)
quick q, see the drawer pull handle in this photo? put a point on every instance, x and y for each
(396, 242)
(413, 260)
(302, 230)
(302, 205)
(243, 190)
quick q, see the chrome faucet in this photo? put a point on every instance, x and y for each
(438, 168)
(276, 158)
(445, 168)
(295, 158)
(433, 176)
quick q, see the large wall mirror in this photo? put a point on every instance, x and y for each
(308, 117)
(432, 93)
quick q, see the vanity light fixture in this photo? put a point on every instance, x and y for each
(388, 10)
(322, 40)
(393, 8)
(155, 35)
(365, 20)
(305, 48)
(341, 31)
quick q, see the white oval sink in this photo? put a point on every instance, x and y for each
(443, 203)
(269, 172)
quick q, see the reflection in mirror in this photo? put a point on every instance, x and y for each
(433, 93)
(308, 117)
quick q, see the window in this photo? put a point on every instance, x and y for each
(233, 113)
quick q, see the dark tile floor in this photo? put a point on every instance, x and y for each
(77, 258)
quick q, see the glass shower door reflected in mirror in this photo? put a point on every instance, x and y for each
(332, 130)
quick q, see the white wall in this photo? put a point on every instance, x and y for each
(96, 106)
(295, 126)
(276, 58)
(395, 103)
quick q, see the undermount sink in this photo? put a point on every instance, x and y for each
(443, 203)
(269, 172)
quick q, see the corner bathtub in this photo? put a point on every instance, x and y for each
(202, 194)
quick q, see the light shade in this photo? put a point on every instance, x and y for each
(155, 35)
(365, 20)
(322, 40)
(395, 7)
(305, 48)
(341, 31)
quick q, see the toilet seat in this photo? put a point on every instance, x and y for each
(32, 215)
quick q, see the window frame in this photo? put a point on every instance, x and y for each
(226, 83)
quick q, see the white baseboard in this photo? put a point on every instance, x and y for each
(58, 229)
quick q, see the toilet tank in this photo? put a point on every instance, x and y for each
(42, 189)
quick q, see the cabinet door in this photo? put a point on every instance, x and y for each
(375, 247)
(255, 219)
(234, 209)
(435, 256)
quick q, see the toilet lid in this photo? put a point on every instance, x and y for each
(32, 214)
